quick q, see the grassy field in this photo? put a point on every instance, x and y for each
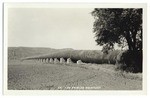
(34, 75)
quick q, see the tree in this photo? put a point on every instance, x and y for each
(118, 26)
(122, 27)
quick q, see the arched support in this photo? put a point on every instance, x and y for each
(46, 60)
(62, 61)
(56, 61)
(69, 61)
(79, 62)
(51, 60)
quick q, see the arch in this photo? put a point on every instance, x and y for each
(69, 61)
(62, 61)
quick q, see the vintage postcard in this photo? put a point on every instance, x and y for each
(71, 47)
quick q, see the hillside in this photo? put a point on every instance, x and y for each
(21, 52)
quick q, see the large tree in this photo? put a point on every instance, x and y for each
(118, 26)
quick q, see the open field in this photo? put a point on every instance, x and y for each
(33, 75)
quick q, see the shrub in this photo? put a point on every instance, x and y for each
(130, 61)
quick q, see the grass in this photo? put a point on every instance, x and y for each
(33, 75)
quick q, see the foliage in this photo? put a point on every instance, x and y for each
(123, 27)
(131, 61)
(118, 26)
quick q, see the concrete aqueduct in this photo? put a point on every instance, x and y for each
(55, 60)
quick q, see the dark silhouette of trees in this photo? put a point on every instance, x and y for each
(122, 27)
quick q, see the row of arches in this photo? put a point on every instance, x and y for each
(57, 60)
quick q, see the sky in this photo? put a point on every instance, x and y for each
(51, 27)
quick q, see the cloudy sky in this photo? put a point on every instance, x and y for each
(51, 27)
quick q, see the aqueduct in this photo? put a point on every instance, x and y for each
(55, 60)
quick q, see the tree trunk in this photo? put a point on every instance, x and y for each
(129, 41)
(134, 40)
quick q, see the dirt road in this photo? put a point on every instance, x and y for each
(39, 76)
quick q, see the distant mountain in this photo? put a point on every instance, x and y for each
(22, 52)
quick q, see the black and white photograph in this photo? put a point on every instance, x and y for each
(74, 47)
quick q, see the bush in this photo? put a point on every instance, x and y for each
(130, 61)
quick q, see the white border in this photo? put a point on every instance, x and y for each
(73, 5)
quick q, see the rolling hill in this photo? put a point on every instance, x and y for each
(21, 52)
